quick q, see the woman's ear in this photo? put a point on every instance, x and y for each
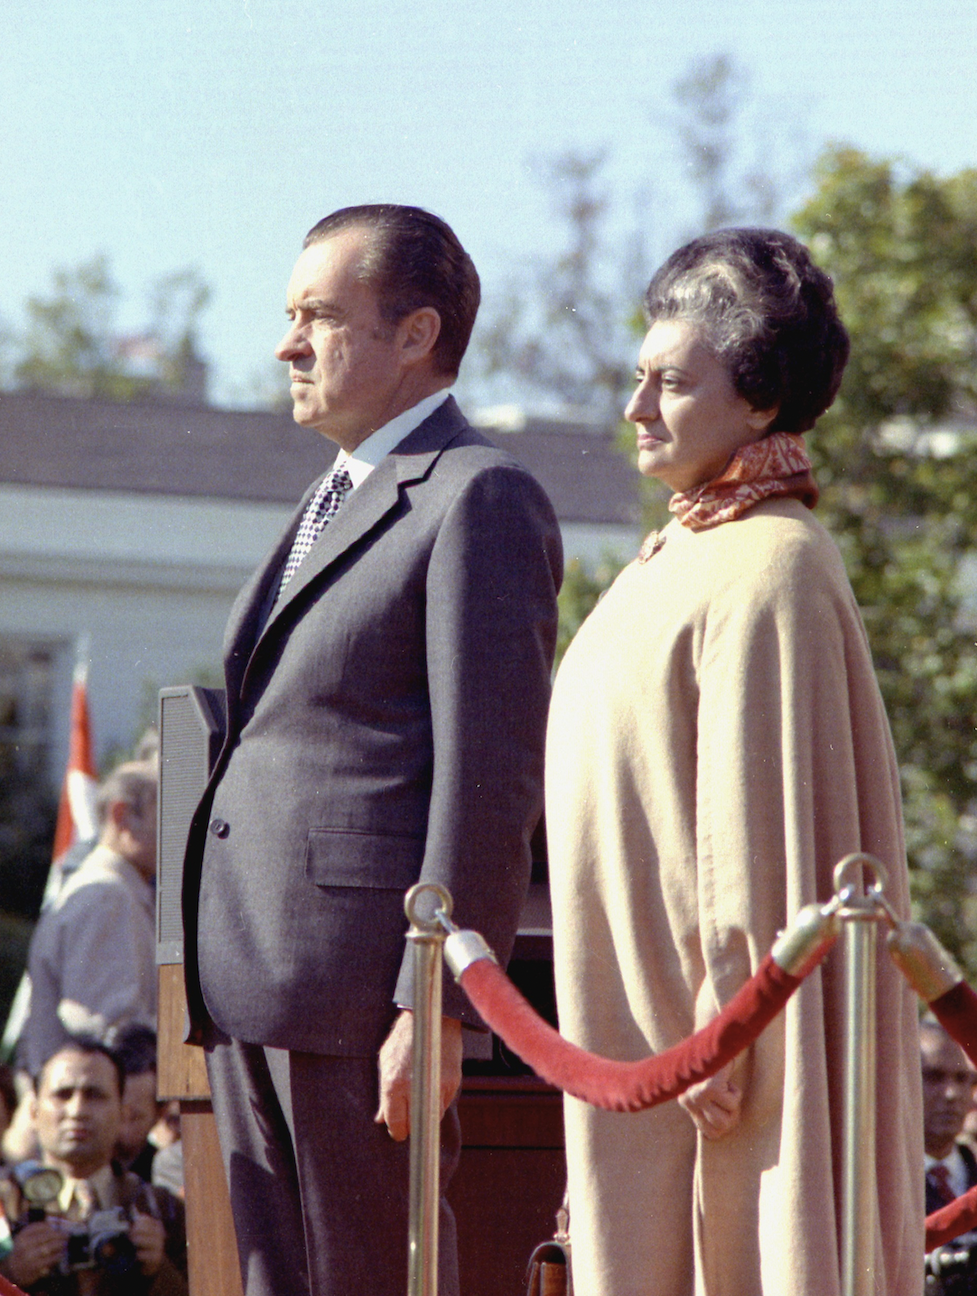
(760, 420)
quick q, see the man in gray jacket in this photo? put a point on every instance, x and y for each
(92, 958)
(387, 676)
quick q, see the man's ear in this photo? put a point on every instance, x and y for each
(417, 334)
(118, 813)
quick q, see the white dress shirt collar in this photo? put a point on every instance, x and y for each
(378, 444)
(79, 1197)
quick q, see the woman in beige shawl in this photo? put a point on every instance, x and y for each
(717, 743)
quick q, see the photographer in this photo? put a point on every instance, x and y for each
(92, 1229)
(948, 1095)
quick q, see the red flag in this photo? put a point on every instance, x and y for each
(76, 809)
(76, 825)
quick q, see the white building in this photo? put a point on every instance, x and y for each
(134, 526)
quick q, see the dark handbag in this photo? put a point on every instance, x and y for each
(548, 1272)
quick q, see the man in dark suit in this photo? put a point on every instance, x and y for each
(948, 1097)
(951, 1168)
(387, 682)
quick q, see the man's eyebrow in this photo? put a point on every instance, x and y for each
(320, 304)
(659, 364)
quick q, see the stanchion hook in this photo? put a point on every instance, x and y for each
(848, 883)
(427, 920)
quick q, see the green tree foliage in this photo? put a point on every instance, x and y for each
(72, 347)
(67, 344)
(6, 359)
(178, 300)
(894, 459)
(578, 597)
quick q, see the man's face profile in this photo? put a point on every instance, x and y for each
(344, 362)
(78, 1109)
(140, 823)
(948, 1090)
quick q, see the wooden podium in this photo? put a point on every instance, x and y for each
(212, 1261)
(510, 1181)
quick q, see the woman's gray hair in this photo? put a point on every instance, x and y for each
(766, 311)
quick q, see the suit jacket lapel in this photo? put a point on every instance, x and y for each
(370, 502)
(410, 461)
(361, 511)
(241, 633)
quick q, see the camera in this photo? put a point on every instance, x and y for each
(952, 1271)
(100, 1242)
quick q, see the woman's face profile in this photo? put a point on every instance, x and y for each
(690, 418)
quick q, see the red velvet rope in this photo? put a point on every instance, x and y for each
(956, 1011)
(633, 1086)
(8, 1289)
(950, 1221)
(627, 1086)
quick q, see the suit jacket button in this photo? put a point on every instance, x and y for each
(220, 827)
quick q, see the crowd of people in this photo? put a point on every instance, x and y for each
(715, 743)
(91, 1189)
(76, 1221)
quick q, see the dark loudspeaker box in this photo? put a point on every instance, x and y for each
(191, 729)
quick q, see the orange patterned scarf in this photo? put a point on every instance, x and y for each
(776, 466)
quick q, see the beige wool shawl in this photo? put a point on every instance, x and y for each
(716, 744)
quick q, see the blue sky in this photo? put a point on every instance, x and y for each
(214, 134)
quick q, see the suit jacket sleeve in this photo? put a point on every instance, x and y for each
(491, 627)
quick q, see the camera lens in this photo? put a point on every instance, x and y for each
(114, 1254)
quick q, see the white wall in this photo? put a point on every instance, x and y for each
(593, 543)
(150, 579)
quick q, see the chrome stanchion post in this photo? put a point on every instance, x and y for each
(422, 905)
(859, 914)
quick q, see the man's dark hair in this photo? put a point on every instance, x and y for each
(766, 311)
(414, 259)
(135, 1047)
(90, 1045)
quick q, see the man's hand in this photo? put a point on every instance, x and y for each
(715, 1104)
(148, 1237)
(394, 1064)
(38, 1248)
